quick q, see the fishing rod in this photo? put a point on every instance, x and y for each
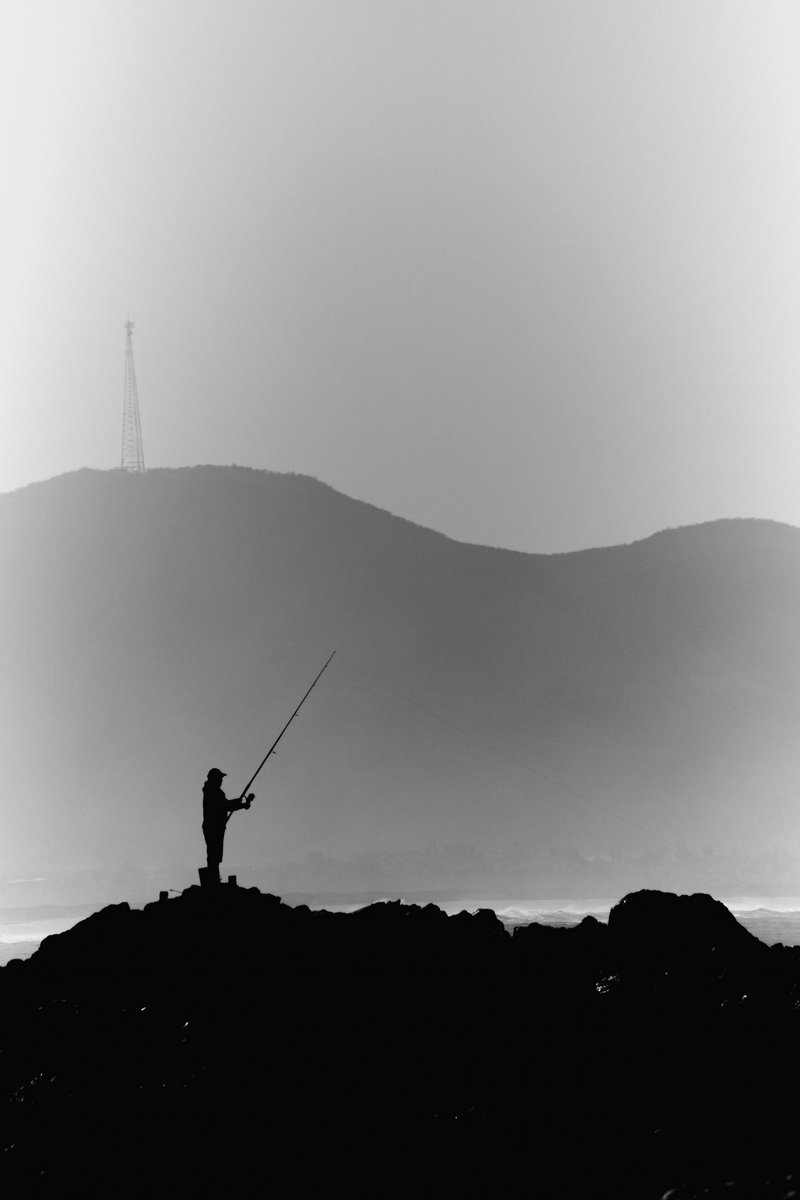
(271, 750)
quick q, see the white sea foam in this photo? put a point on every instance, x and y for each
(20, 939)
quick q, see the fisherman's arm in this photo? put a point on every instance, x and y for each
(244, 802)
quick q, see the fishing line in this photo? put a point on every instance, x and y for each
(570, 792)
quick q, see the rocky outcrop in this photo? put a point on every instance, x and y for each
(212, 1042)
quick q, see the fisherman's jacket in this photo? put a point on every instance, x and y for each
(216, 805)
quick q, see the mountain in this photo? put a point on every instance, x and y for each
(487, 712)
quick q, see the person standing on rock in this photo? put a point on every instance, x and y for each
(216, 810)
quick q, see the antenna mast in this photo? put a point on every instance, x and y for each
(132, 449)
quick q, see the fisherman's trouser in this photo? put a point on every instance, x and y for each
(214, 835)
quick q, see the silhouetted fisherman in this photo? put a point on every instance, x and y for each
(216, 810)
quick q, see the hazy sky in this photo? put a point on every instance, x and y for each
(525, 272)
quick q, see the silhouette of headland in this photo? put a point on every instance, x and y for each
(223, 1042)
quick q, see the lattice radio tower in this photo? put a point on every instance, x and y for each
(132, 449)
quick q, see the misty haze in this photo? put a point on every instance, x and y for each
(496, 726)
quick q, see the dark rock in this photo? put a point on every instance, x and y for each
(179, 1049)
(660, 927)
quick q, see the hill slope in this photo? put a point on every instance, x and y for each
(156, 626)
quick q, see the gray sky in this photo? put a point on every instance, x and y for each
(527, 273)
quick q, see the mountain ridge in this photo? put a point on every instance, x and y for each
(162, 624)
(86, 472)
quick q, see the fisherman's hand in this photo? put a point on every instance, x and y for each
(249, 800)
